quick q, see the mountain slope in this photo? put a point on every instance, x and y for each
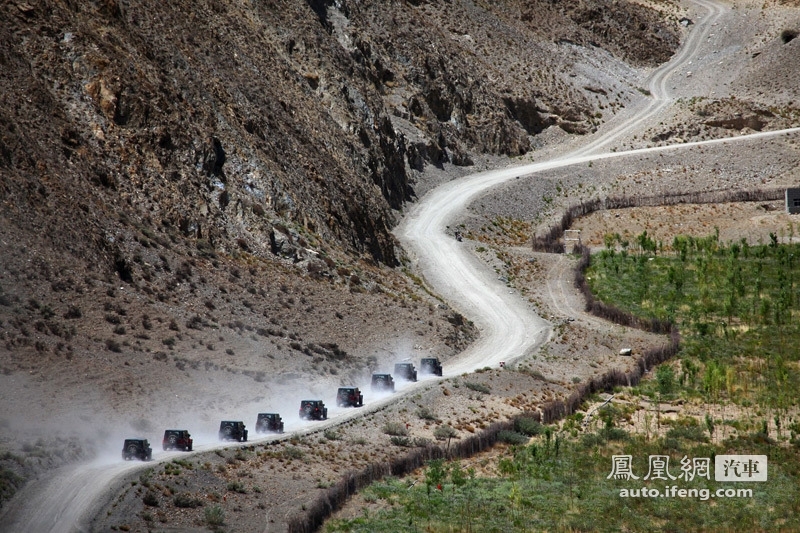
(197, 198)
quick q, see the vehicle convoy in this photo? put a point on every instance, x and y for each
(313, 410)
(382, 382)
(137, 449)
(430, 365)
(232, 430)
(349, 397)
(405, 371)
(177, 439)
(269, 423)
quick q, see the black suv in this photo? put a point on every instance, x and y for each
(405, 371)
(430, 365)
(313, 410)
(269, 423)
(177, 439)
(382, 382)
(137, 449)
(230, 430)
(349, 397)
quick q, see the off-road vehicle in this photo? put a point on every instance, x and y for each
(382, 382)
(177, 439)
(230, 430)
(137, 449)
(430, 365)
(349, 397)
(269, 423)
(405, 371)
(313, 410)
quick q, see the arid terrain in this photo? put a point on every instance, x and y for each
(197, 226)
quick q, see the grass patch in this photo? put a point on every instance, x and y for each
(560, 484)
(737, 307)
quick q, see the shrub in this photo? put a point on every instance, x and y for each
(692, 433)
(113, 345)
(425, 413)
(237, 486)
(405, 442)
(186, 501)
(214, 516)
(292, 452)
(196, 322)
(477, 387)
(395, 428)
(665, 376)
(512, 437)
(444, 432)
(528, 426)
(612, 433)
(150, 499)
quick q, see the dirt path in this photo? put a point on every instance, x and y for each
(509, 326)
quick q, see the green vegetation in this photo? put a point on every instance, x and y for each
(736, 307)
(215, 516)
(557, 484)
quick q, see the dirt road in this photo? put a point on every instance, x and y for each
(508, 325)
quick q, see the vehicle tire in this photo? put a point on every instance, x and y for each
(131, 453)
(227, 433)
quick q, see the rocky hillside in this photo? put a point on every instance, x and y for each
(209, 187)
(226, 123)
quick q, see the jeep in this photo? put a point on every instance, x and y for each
(269, 423)
(430, 365)
(313, 410)
(349, 397)
(177, 439)
(405, 371)
(230, 430)
(137, 449)
(382, 382)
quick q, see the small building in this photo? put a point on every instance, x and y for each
(793, 200)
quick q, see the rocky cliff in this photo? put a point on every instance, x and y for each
(223, 124)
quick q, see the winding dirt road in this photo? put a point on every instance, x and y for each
(509, 328)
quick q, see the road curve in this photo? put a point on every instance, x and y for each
(67, 500)
(657, 81)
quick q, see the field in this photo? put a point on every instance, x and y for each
(729, 391)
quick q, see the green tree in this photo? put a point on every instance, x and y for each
(665, 376)
(435, 474)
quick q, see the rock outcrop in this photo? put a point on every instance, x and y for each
(217, 121)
